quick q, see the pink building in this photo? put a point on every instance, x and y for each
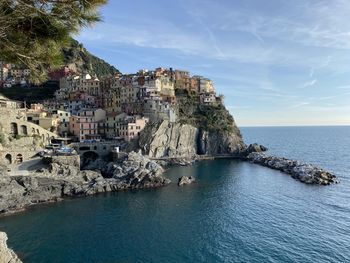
(132, 127)
(84, 128)
(85, 125)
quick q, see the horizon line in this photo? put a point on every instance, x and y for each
(294, 125)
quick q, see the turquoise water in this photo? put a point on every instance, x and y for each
(235, 212)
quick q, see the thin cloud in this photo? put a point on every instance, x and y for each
(299, 105)
(309, 83)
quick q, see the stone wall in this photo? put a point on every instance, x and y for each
(13, 123)
(21, 139)
(19, 150)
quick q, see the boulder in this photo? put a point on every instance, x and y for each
(185, 180)
(252, 148)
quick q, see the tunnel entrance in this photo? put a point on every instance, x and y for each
(8, 158)
(90, 155)
(19, 158)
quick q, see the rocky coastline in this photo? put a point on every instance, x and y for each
(303, 172)
(63, 178)
(6, 254)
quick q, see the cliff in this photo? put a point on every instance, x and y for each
(199, 130)
(6, 254)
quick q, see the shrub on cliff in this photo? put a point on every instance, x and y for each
(213, 118)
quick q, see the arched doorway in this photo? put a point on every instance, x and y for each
(14, 128)
(19, 158)
(8, 158)
(90, 155)
(24, 130)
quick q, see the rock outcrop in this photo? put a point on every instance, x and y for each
(6, 254)
(167, 139)
(302, 172)
(185, 180)
(176, 140)
(253, 148)
(66, 179)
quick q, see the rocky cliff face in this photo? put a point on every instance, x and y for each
(178, 140)
(6, 254)
(199, 130)
(167, 139)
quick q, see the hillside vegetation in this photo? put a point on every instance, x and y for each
(78, 58)
(212, 118)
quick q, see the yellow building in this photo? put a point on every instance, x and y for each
(206, 86)
(49, 123)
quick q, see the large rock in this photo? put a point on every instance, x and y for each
(7, 255)
(170, 140)
(253, 148)
(176, 140)
(302, 172)
(185, 180)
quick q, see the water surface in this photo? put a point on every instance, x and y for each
(235, 212)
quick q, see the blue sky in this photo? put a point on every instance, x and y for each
(277, 62)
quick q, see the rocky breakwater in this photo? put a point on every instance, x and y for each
(6, 254)
(62, 177)
(302, 172)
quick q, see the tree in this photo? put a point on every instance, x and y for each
(33, 32)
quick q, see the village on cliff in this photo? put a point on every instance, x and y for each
(92, 113)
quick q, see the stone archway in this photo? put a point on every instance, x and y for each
(24, 130)
(8, 158)
(14, 128)
(90, 155)
(19, 158)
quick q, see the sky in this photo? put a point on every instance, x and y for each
(277, 62)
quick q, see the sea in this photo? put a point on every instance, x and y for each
(235, 212)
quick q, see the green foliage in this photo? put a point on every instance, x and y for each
(17, 136)
(32, 94)
(33, 32)
(214, 118)
(75, 53)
